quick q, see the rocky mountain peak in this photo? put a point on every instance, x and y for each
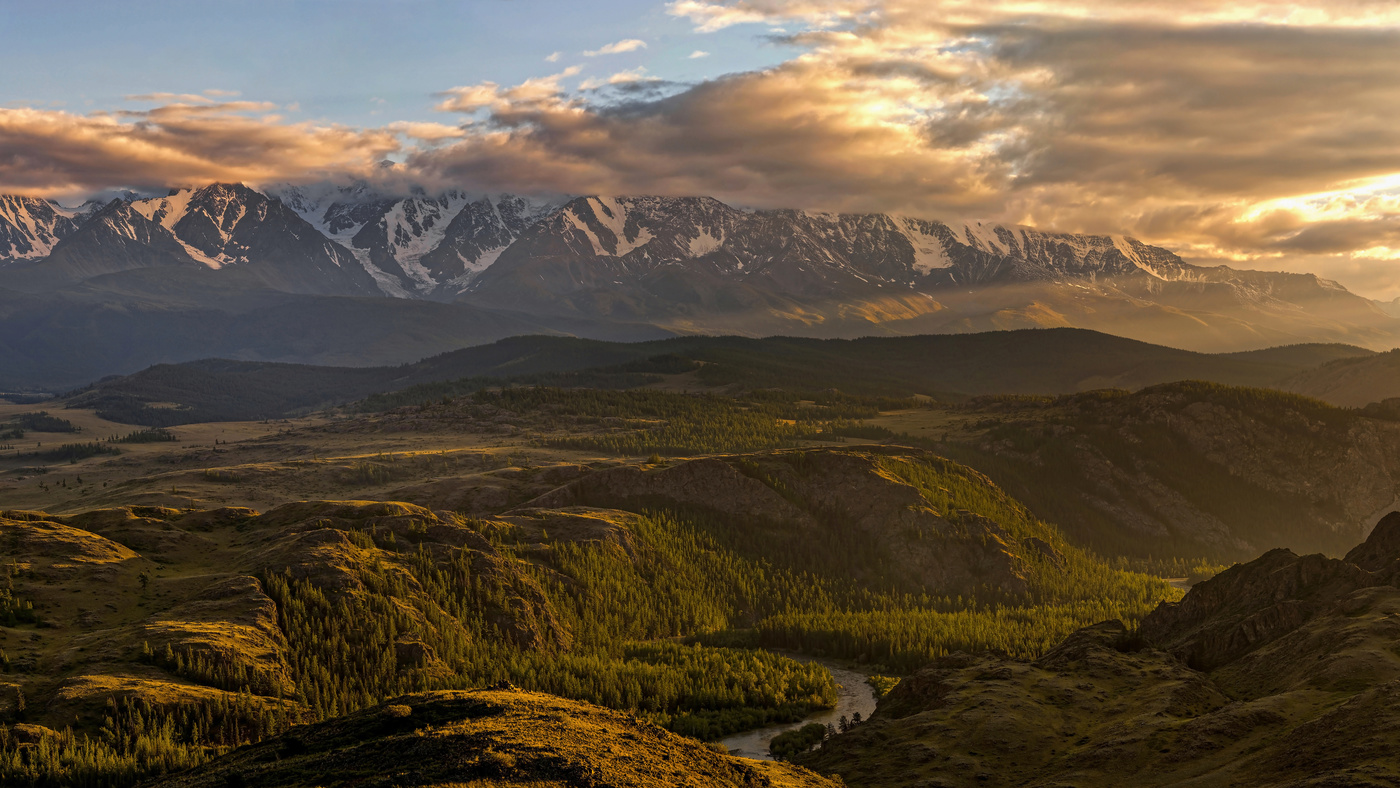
(1381, 549)
(1250, 605)
(31, 227)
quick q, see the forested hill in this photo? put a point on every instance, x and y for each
(624, 587)
(1039, 361)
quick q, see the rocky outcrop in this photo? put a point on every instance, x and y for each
(500, 737)
(1251, 604)
(1279, 672)
(1381, 549)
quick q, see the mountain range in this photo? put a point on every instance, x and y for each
(603, 267)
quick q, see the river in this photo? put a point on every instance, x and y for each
(853, 695)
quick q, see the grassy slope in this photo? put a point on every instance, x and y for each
(488, 739)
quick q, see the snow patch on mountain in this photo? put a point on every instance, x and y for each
(387, 282)
(165, 211)
(415, 226)
(704, 243)
(983, 237)
(482, 262)
(613, 216)
(312, 202)
(30, 227)
(929, 254)
(581, 226)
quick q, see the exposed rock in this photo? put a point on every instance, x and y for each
(1045, 549)
(1251, 604)
(230, 622)
(577, 524)
(499, 737)
(1279, 672)
(413, 653)
(25, 733)
(1381, 549)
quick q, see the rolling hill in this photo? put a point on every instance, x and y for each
(1052, 361)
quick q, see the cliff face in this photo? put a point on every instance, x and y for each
(1282, 671)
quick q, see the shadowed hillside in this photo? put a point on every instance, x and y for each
(1190, 468)
(1353, 382)
(1053, 361)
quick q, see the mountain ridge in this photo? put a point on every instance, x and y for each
(615, 267)
(1030, 362)
(1276, 672)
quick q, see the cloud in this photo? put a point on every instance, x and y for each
(618, 47)
(427, 132)
(532, 92)
(168, 112)
(55, 153)
(709, 16)
(190, 98)
(699, 53)
(1249, 132)
(629, 77)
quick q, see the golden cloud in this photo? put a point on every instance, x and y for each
(618, 47)
(1171, 121)
(60, 154)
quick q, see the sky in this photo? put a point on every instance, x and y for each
(1259, 133)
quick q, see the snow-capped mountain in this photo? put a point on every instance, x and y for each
(354, 238)
(218, 227)
(625, 244)
(31, 227)
(679, 263)
(420, 244)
